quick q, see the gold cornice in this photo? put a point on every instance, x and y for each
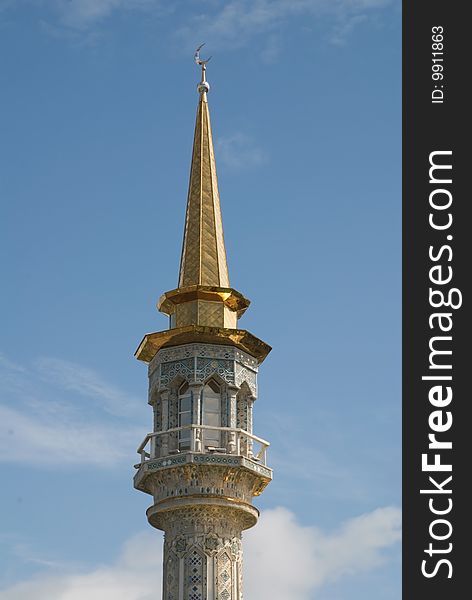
(231, 298)
(153, 342)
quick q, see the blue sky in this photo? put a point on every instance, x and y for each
(98, 108)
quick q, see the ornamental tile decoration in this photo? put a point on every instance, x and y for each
(167, 462)
(215, 460)
(244, 374)
(224, 580)
(170, 370)
(180, 545)
(171, 577)
(204, 350)
(194, 578)
(211, 543)
(206, 367)
(256, 467)
(196, 363)
(233, 365)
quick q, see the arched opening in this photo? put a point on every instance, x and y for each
(211, 413)
(185, 416)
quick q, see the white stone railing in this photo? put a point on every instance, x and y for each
(238, 442)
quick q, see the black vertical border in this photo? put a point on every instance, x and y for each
(428, 127)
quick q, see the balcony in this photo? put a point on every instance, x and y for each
(203, 439)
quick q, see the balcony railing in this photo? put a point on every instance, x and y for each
(233, 441)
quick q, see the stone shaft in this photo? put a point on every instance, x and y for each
(203, 554)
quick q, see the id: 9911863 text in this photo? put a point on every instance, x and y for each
(437, 68)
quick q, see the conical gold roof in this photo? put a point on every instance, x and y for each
(203, 259)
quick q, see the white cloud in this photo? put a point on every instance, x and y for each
(294, 560)
(239, 20)
(60, 440)
(342, 30)
(229, 24)
(134, 576)
(238, 151)
(84, 13)
(87, 382)
(44, 424)
(283, 560)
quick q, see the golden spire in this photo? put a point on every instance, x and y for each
(203, 308)
(203, 260)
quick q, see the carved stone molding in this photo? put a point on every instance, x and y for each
(190, 480)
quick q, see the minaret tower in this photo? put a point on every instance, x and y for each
(202, 464)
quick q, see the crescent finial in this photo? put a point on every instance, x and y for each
(203, 86)
(198, 60)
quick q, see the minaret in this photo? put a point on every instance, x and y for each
(202, 464)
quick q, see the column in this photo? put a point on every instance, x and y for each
(165, 422)
(232, 420)
(196, 436)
